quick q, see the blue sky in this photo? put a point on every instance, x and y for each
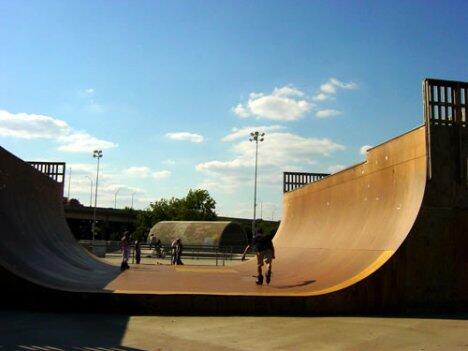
(170, 89)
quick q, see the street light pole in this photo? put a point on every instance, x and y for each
(91, 191)
(69, 183)
(257, 137)
(115, 197)
(96, 154)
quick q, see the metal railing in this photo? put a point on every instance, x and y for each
(218, 255)
(295, 180)
(55, 170)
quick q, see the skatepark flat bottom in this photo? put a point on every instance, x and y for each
(238, 279)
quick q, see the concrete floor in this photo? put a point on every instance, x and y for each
(21, 330)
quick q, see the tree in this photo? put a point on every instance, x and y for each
(198, 205)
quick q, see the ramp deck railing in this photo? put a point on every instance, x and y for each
(445, 102)
(295, 180)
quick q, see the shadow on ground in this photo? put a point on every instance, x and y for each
(38, 331)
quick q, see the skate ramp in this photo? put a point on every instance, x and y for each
(36, 243)
(380, 236)
(334, 232)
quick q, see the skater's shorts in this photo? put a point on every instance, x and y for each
(266, 256)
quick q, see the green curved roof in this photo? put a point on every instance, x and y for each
(200, 233)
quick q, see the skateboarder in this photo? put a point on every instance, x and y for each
(265, 253)
(125, 249)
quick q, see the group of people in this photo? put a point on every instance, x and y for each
(155, 243)
(262, 243)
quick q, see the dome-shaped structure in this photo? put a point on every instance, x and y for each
(200, 233)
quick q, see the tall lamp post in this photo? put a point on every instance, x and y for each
(69, 183)
(91, 191)
(96, 154)
(115, 197)
(255, 137)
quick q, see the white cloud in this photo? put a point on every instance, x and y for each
(335, 168)
(241, 111)
(159, 175)
(169, 162)
(279, 152)
(364, 148)
(89, 91)
(334, 84)
(138, 171)
(327, 113)
(83, 142)
(287, 91)
(330, 88)
(238, 133)
(185, 136)
(33, 126)
(283, 104)
(322, 97)
(342, 85)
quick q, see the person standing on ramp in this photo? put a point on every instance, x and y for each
(125, 249)
(265, 253)
(176, 252)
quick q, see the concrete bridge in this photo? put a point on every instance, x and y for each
(102, 214)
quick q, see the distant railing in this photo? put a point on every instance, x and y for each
(55, 170)
(445, 102)
(295, 180)
(218, 254)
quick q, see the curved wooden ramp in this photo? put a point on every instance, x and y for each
(337, 249)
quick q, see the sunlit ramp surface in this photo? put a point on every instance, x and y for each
(385, 235)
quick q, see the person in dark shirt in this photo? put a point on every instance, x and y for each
(176, 252)
(265, 253)
(137, 251)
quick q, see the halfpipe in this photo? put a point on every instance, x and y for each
(387, 235)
